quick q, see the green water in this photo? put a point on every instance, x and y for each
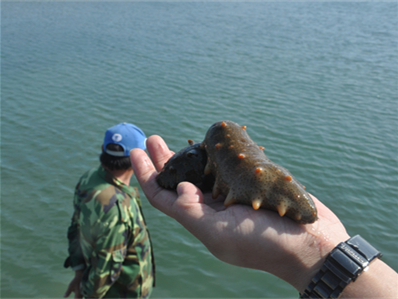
(315, 83)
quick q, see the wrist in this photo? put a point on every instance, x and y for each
(319, 243)
(346, 262)
(79, 273)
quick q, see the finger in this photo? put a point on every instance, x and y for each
(190, 204)
(145, 173)
(68, 291)
(159, 151)
(188, 194)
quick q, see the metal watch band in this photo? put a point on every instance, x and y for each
(343, 265)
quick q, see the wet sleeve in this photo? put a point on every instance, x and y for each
(107, 257)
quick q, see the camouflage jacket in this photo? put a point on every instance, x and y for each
(108, 238)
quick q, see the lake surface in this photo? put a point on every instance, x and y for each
(314, 82)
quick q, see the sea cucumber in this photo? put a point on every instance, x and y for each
(186, 165)
(244, 174)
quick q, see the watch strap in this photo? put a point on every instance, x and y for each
(343, 265)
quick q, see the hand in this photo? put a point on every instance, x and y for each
(74, 285)
(240, 235)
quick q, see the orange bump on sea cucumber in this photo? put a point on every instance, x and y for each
(282, 208)
(261, 147)
(297, 217)
(241, 156)
(258, 170)
(223, 124)
(288, 178)
(244, 127)
(218, 146)
(256, 204)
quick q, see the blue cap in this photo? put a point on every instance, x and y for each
(128, 136)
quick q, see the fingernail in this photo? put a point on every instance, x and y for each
(179, 189)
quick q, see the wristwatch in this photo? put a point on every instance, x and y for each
(343, 264)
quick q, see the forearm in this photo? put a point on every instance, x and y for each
(299, 264)
(378, 281)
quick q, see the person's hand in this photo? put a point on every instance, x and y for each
(74, 285)
(240, 235)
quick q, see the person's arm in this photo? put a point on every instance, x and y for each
(258, 239)
(74, 285)
(380, 281)
(75, 259)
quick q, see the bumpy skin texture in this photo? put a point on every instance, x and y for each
(230, 161)
(245, 175)
(187, 165)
